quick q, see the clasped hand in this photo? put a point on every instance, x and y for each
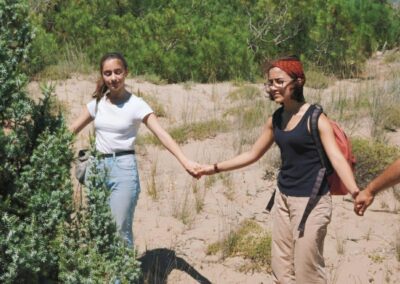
(197, 170)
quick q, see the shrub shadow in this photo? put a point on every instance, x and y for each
(157, 264)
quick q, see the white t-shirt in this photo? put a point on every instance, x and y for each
(117, 125)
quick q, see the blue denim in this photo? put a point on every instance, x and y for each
(122, 179)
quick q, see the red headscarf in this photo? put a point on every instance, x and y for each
(291, 65)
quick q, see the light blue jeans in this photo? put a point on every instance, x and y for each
(122, 179)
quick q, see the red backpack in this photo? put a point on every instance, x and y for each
(336, 185)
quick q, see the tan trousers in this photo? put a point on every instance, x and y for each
(299, 260)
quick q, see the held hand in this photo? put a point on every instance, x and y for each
(192, 168)
(355, 193)
(206, 170)
(362, 201)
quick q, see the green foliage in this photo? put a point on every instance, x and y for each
(15, 37)
(250, 241)
(42, 239)
(217, 40)
(347, 32)
(32, 214)
(91, 249)
(372, 159)
(45, 45)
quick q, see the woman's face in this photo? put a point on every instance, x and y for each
(114, 74)
(279, 85)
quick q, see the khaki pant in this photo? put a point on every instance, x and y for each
(299, 260)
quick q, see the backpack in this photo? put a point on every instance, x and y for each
(336, 186)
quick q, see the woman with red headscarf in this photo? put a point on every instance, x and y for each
(296, 257)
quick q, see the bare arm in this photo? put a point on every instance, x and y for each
(80, 123)
(389, 177)
(263, 143)
(152, 123)
(335, 156)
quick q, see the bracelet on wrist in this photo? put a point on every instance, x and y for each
(216, 170)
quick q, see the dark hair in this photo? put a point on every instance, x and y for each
(298, 94)
(101, 87)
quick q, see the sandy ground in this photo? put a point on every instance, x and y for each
(173, 236)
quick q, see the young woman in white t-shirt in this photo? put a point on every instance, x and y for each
(117, 115)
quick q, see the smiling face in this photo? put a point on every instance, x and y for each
(114, 73)
(279, 85)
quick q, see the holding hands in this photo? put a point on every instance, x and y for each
(192, 168)
(389, 177)
(363, 200)
(197, 170)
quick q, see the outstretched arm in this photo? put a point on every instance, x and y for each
(335, 156)
(152, 123)
(80, 123)
(389, 177)
(259, 148)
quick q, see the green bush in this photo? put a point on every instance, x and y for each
(45, 45)
(372, 159)
(42, 239)
(218, 40)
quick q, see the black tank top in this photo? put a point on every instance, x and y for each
(300, 159)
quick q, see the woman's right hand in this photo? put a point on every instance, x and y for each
(362, 201)
(206, 170)
(192, 168)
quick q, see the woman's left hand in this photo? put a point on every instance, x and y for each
(192, 168)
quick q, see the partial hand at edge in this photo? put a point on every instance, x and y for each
(362, 201)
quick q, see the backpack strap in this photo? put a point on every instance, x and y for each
(316, 112)
(317, 139)
(271, 201)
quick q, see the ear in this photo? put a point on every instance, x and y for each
(300, 81)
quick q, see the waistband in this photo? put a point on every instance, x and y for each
(122, 153)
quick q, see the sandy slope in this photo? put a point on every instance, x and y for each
(357, 250)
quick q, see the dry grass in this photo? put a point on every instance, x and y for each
(316, 79)
(229, 186)
(156, 106)
(397, 248)
(152, 190)
(72, 61)
(184, 133)
(152, 78)
(199, 196)
(249, 241)
(183, 208)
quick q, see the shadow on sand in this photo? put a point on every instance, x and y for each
(157, 264)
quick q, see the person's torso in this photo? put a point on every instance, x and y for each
(116, 125)
(299, 155)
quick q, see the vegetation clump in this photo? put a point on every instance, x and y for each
(210, 41)
(42, 238)
(249, 241)
(372, 158)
